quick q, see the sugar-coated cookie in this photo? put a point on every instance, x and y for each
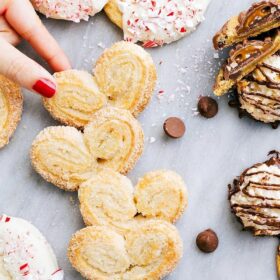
(108, 198)
(243, 60)
(259, 93)
(65, 156)
(126, 74)
(259, 18)
(25, 253)
(73, 10)
(161, 194)
(77, 98)
(255, 197)
(150, 250)
(115, 139)
(156, 22)
(11, 103)
(125, 78)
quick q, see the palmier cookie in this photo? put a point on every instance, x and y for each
(77, 98)
(150, 250)
(161, 194)
(254, 197)
(125, 77)
(107, 198)
(243, 60)
(65, 156)
(126, 74)
(25, 253)
(259, 18)
(11, 103)
(259, 93)
(156, 22)
(72, 10)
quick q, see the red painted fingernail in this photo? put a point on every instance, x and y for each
(45, 87)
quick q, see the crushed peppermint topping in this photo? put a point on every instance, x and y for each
(158, 22)
(25, 253)
(74, 10)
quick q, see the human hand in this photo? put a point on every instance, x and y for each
(18, 20)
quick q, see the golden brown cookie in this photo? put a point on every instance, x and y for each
(161, 194)
(259, 18)
(115, 139)
(126, 74)
(243, 60)
(65, 156)
(60, 156)
(106, 198)
(125, 78)
(77, 98)
(150, 250)
(11, 103)
(113, 12)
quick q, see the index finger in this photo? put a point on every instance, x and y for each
(21, 15)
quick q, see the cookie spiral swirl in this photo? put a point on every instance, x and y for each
(115, 139)
(61, 157)
(148, 251)
(126, 74)
(77, 98)
(11, 103)
(66, 157)
(161, 194)
(107, 199)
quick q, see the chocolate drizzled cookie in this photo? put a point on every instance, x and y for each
(259, 18)
(259, 92)
(255, 197)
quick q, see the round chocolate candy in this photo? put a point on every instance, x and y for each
(174, 127)
(207, 241)
(207, 107)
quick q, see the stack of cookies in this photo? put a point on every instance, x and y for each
(253, 66)
(129, 233)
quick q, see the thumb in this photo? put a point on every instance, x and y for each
(24, 71)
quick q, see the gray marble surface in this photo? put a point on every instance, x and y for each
(210, 155)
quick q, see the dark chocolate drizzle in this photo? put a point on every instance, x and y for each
(268, 104)
(255, 212)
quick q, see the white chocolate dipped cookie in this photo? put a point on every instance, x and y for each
(11, 103)
(65, 156)
(254, 197)
(150, 250)
(124, 77)
(156, 22)
(72, 10)
(25, 253)
(107, 198)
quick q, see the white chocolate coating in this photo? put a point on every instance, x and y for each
(24, 252)
(73, 10)
(158, 22)
(256, 200)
